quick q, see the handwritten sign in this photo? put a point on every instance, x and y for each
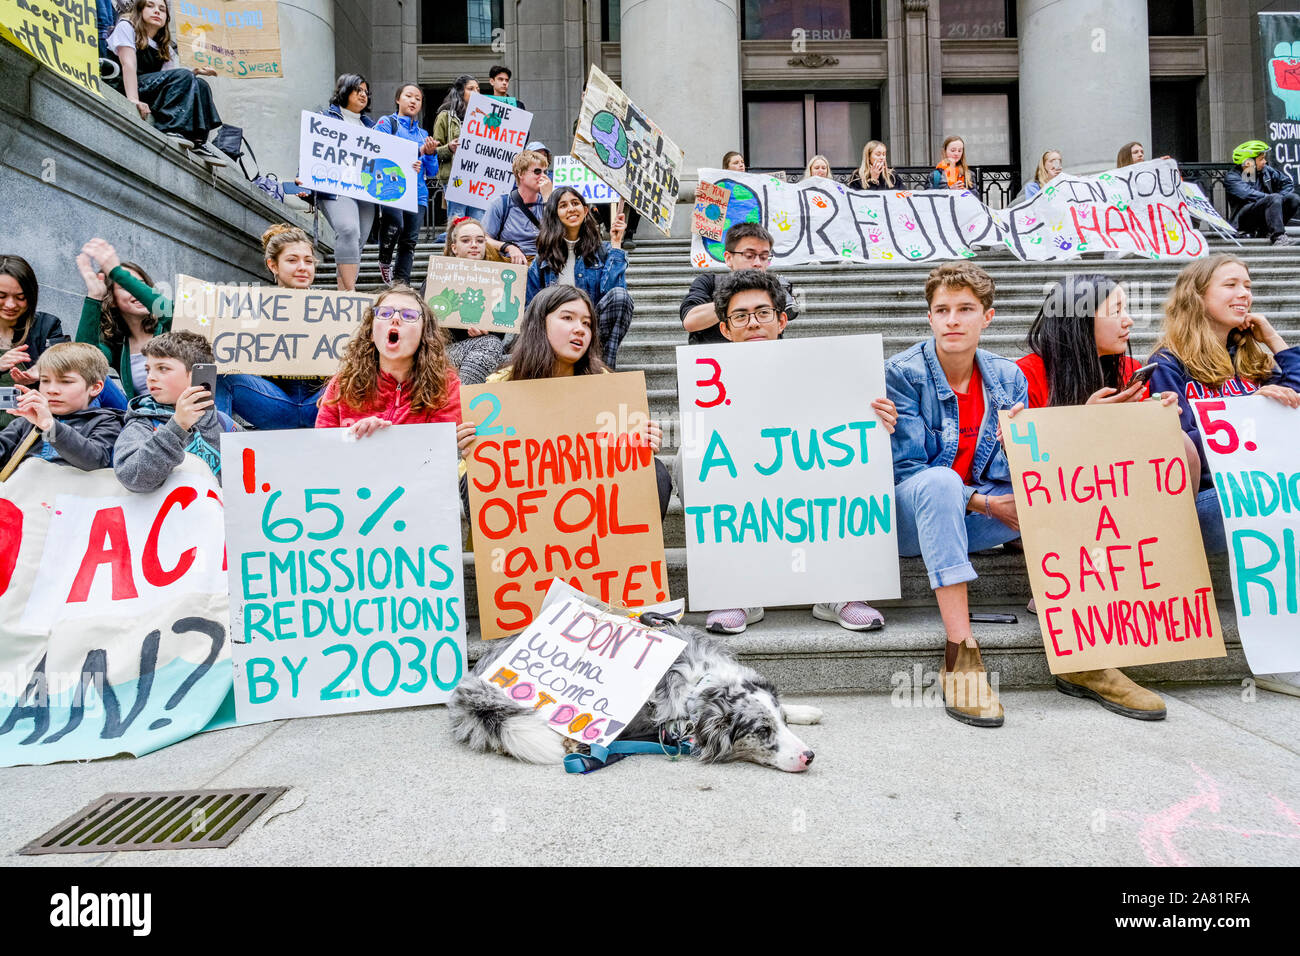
(237, 38)
(622, 146)
(62, 34)
(573, 173)
(710, 210)
(267, 330)
(1250, 447)
(491, 136)
(561, 484)
(1279, 45)
(346, 580)
(585, 668)
(476, 294)
(112, 613)
(788, 493)
(1108, 519)
(363, 164)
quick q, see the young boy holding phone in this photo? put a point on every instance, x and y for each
(175, 417)
(56, 422)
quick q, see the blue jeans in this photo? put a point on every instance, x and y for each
(934, 523)
(1210, 515)
(270, 403)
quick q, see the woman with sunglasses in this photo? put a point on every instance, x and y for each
(395, 370)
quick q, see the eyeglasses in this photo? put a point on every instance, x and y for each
(386, 312)
(765, 316)
(750, 256)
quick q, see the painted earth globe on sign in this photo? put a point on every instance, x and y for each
(610, 139)
(384, 180)
(742, 207)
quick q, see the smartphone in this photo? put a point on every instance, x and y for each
(1143, 374)
(977, 617)
(204, 374)
(8, 397)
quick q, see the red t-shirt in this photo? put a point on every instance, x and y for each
(1036, 374)
(970, 416)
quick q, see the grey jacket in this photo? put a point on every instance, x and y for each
(83, 439)
(152, 444)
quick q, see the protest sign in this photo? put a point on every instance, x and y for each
(622, 146)
(561, 484)
(476, 294)
(112, 613)
(237, 38)
(788, 493)
(574, 174)
(269, 330)
(62, 34)
(346, 579)
(364, 164)
(1144, 209)
(585, 668)
(1250, 449)
(491, 136)
(1108, 520)
(1279, 42)
(710, 210)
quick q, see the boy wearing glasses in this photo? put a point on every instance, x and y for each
(748, 246)
(749, 306)
(514, 220)
(951, 476)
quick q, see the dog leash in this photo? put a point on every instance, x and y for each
(601, 756)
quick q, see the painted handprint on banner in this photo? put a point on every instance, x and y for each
(819, 202)
(1062, 243)
(781, 221)
(1284, 77)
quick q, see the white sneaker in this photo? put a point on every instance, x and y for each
(1280, 683)
(732, 620)
(850, 615)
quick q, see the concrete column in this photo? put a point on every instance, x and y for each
(268, 109)
(674, 45)
(1085, 81)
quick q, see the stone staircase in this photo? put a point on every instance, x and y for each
(790, 646)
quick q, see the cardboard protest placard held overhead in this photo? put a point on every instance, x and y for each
(573, 173)
(341, 159)
(1108, 520)
(1145, 210)
(268, 330)
(476, 294)
(237, 38)
(1250, 447)
(491, 136)
(788, 494)
(710, 210)
(622, 146)
(113, 613)
(62, 34)
(561, 484)
(346, 591)
(584, 667)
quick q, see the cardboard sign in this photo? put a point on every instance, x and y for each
(710, 210)
(237, 38)
(341, 159)
(788, 493)
(62, 34)
(112, 613)
(491, 136)
(627, 150)
(585, 668)
(574, 174)
(562, 485)
(346, 579)
(476, 294)
(1250, 447)
(1108, 519)
(267, 330)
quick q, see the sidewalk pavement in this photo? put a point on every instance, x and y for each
(1062, 783)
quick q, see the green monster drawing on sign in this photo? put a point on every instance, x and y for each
(471, 306)
(444, 303)
(506, 312)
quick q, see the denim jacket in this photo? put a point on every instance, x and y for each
(609, 273)
(926, 435)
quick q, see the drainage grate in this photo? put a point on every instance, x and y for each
(170, 820)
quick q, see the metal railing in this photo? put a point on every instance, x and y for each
(995, 185)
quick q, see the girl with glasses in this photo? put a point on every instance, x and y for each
(394, 372)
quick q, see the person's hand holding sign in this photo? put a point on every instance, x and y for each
(465, 436)
(619, 228)
(368, 426)
(887, 414)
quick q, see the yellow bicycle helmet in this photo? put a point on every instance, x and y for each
(1249, 150)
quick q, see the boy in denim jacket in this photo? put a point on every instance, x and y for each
(953, 483)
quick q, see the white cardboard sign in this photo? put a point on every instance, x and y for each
(343, 159)
(491, 136)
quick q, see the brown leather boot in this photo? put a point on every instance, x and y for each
(1114, 691)
(967, 695)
